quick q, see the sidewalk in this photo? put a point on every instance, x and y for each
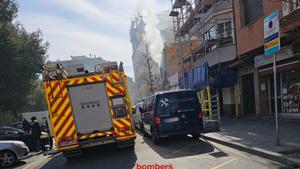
(259, 135)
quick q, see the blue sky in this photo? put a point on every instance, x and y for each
(83, 27)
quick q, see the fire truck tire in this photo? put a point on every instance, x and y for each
(196, 136)
(131, 148)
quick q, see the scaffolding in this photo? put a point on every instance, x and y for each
(201, 19)
(183, 20)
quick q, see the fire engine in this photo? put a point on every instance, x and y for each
(88, 109)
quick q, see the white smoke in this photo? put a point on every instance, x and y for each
(152, 33)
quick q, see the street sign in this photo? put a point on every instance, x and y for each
(271, 33)
(272, 45)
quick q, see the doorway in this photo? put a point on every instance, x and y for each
(248, 94)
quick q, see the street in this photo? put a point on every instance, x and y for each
(88, 73)
(178, 152)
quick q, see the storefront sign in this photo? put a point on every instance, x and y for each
(262, 60)
(271, 33)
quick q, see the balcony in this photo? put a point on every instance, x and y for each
(218, 6)
(290, 21)
(223, 54)
(179, 3)
(289, 6)
(207, 2)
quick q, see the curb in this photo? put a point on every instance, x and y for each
(281, 158)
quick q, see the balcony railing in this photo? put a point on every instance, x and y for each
(291, 15)
(289, 6)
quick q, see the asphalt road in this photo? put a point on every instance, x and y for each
(172, 153)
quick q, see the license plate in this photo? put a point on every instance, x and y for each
(171, 120)
(98, 143)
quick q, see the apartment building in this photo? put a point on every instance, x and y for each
(211, 24)
(255, 75)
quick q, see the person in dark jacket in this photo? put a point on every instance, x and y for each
(35, 132)
(26, 125)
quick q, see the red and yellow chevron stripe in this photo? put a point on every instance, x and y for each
(59, 105)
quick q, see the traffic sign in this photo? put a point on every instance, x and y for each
(272, 45)
(271, 33)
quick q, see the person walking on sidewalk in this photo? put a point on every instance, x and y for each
(36, 133)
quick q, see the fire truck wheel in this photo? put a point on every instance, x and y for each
(131, 148)
(196, 135)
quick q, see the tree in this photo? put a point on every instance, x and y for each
(36, 101)
(21, 55)
(8, 10)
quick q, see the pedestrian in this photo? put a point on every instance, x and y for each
(35, 132)
(26, 125)
(50, 136)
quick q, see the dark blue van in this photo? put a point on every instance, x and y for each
(172, 113)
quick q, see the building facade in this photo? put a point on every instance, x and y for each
(170, 64)
(255, 69)
(211, 24)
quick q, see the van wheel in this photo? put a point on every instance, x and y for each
(196, 135)
(155, 138)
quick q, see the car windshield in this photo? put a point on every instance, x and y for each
(170, 103)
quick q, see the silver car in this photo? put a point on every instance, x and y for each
(12, 151)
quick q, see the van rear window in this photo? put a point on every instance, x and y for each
(170, 103)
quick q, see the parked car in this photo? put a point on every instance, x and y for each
(137, 116)
(18, 125)
(45, 136)
(11, 133)
(12, 151)
(172, 113)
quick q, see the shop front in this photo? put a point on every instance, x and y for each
(288, 83)
(291, 91)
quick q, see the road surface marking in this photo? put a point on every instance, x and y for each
(225, 163)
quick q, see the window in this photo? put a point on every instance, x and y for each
(118, 101)
(79, 70)
(149, 104)
(210, 34)
(291, 91)
(12, 132)
(225, 33)
(171, 103)
(224, 29)
(120, 112)
(252, 10)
